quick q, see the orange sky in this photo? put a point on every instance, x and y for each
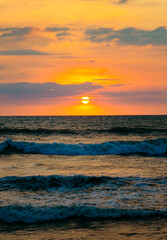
(52, 53)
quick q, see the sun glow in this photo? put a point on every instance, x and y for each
(85, 100)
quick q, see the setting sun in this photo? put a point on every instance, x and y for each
(85, 100)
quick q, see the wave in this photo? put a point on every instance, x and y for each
(76, 181)
(148, 147)
(53, 181)
(38, 131)
(30, 214)
(113, 130)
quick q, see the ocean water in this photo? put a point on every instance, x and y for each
(84, 177)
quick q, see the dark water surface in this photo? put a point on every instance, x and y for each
(96, 177)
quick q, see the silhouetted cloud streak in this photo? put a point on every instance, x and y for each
(22, 52)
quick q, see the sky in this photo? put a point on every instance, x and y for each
(54, 52)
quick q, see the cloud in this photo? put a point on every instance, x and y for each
(98, 31)
(22, 52)
(10, 32)
(128, 36)
(122, 1)
(57, 29)
(22, 38)
(27, 90)
(29, 38)
(137, 96)
(61, 32)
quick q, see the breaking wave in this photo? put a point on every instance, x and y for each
(41, 182)
(30, 214)
(147, 147)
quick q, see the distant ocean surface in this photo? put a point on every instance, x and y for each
(83, 177)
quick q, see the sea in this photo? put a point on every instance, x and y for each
(83, 177)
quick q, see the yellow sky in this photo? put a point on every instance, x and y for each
(149, 13)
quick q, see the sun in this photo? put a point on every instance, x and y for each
(85, 100)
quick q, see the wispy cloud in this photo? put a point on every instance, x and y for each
(21, 41)
(22, 38)
(61, 32)
(10, 32)
(128, 36)
(122, 1)
(57, 29)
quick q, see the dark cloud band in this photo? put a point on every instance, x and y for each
(128, 36)
(27, 90)
(137, 96)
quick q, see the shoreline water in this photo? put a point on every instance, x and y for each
(65, 196)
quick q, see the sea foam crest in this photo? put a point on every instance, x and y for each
(149, 147)
(29, 214)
